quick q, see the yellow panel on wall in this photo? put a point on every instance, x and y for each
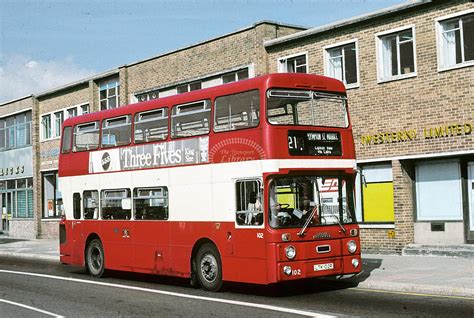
(378, 202)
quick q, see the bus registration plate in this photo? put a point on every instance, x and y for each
(323, 267)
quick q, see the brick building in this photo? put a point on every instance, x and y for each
(410, 88)
(409, 74)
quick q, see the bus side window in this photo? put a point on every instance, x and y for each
(237, 111)
(115, 204)
(116, 131)
(249, 202)
(91, 205)
(76, 205)
(151, 203)
(151, 125)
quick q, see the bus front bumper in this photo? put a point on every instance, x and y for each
(293, 270)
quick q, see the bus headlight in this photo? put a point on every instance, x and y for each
(290, 252)
(351, 247)
(287, 270)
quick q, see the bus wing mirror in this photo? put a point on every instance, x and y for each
(362, 176)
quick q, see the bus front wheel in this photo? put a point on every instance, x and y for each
(209, 267)
(95, 260)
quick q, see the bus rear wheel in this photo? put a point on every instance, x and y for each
(209, 267)
(95, 260)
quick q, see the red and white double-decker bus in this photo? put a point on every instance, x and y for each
(250, 181)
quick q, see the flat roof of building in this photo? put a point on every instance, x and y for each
(347, 22)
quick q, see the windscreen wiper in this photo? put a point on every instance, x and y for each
(301, 233)
(339, 223)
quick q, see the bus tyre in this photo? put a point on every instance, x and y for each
(209, 267)
(95, 260)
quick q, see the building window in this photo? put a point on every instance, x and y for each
(58, 123)
(71, 112)
(84, 109)
(438, 191)
(15, 131)
(342, 63)
(46, 127)
(52, 199)
(109, 94)
(396, 54)
(16, 199)
(293, 64)
(375, 192)
(235, 76)
(188, 87)
(456, 40)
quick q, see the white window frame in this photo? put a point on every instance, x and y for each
(113, 83)
(327, 57)
(282, 64)
(379, 58)
(439, 41)
(65, 110)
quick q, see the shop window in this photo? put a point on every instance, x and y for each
(115, 204)
(438, 191)
(456, 40)
(109, 95)
(151, 203)
(341, 63)
(191, 119)
(151, 125)
(52, 199)
(249, 210)
(91, 204)
(396, 54)
(237, 111)
(76, 205)
(375, 191)
(116, 131)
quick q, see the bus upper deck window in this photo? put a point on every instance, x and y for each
(237, 111)
(151, 125)
(66, 146)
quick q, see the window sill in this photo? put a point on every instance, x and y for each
(352, 86)
(51, 219)
(51, 139)
(455, 67)
(396, 78)
(377, 226)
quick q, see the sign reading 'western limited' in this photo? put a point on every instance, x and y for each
(166, 154)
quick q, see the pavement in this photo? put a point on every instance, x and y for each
(426, 274)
